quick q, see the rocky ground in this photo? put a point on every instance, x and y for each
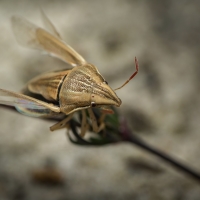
(161, 104)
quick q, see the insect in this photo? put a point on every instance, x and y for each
(63, 92)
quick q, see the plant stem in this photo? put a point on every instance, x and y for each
(172, 161)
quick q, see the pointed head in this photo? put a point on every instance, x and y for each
(84, 87)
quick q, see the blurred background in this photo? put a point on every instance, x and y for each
(161, 103)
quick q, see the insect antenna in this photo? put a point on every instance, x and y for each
(137, 68)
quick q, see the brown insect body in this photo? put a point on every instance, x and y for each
(75, 89)
(60, 92)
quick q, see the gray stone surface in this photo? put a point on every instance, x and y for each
(161, 103)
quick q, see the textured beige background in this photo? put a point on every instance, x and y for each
(161, 103)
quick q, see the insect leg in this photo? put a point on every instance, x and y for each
(61, 124)
(101, 120)
(84, 124)
(95, 126)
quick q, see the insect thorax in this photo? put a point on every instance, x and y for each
(83, 86)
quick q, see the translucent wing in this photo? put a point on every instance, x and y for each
(27, 105)
(48, 25)
(28, 34)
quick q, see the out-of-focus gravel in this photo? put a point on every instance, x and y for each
(161, 103)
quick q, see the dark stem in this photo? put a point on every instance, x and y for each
(139, 142)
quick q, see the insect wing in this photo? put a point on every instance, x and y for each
(30, 35)
(48, 25)
(27, 105)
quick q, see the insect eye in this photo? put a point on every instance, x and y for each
(93, 104)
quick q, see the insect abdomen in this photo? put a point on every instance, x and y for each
(48, 85)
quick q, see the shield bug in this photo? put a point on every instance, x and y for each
(63, 92)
